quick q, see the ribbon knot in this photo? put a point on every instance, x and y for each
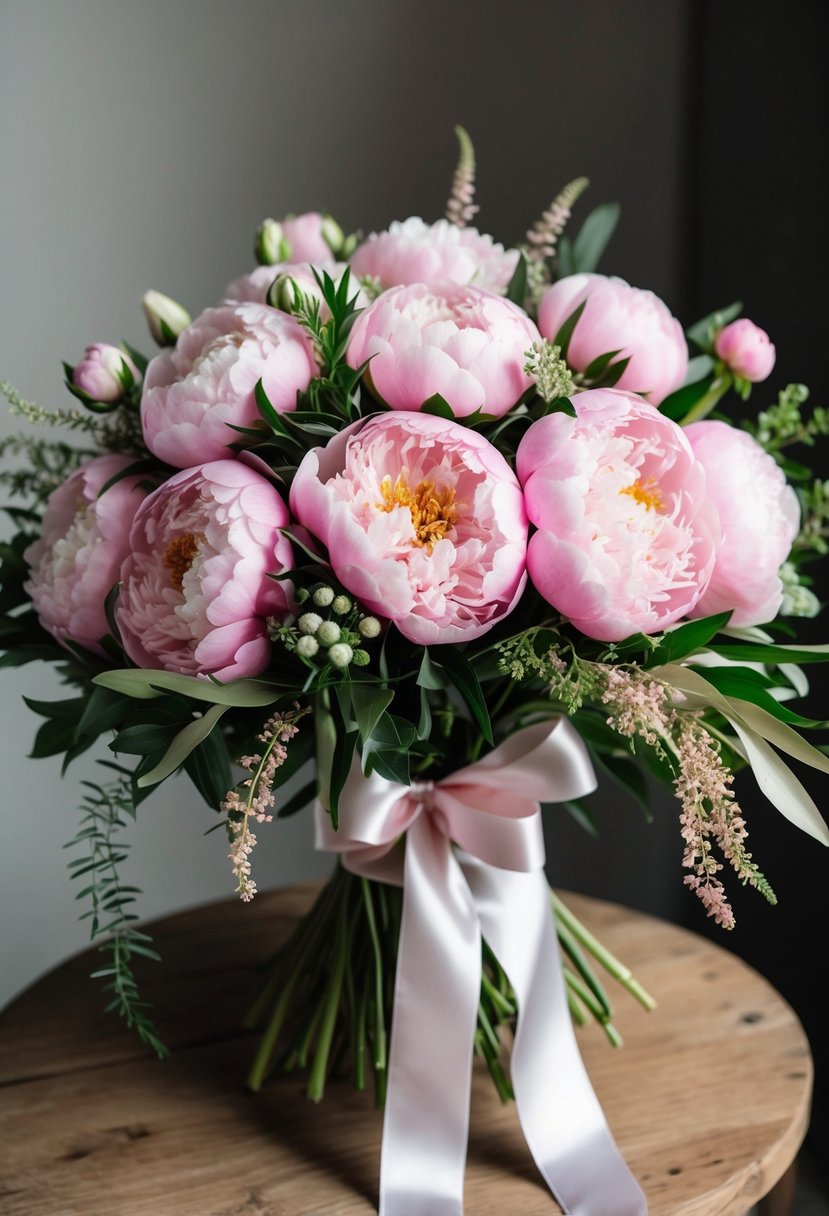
(472, 868)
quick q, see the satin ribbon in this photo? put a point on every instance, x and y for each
(472, 866)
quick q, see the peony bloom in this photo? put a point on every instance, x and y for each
(253, 288)
(105, 373)
(416, 252)
(746, 349)
(195, 590)
(626, 536)
(760, 518)
(75, 562)
(464, 343)
(192, 391)
(619, 317)
(423, 520)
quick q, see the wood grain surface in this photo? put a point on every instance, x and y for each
(708, 1099)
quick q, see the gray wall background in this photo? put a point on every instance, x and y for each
(141, 143)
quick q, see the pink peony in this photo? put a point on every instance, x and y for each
(623, 318)
(75, 563)
(746, 349)
(423, 520)
(253, 288)
(416, 252)
(195, 593)
(105, 373)
(626, 536)
(760, 518)
(193, 390)
(464, 343)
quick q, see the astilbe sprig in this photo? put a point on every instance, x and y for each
(460, 208)
(253, 797)
(543, 237)
(104, 812)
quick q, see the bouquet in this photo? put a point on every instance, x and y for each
(446, 526)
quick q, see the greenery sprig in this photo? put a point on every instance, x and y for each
(105, 809)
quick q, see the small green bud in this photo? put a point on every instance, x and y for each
(369, 627)
(302, 595)
(333, 235)
(341, 654)
(307, 647)
(323, 596)
(270, 243)
(165, 317)
(309, 623)
(284, 293)
(341, 605)
(328, 633)
(361, 658)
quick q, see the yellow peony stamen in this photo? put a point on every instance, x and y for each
(433, 511)
(178, 558)
(647, 493)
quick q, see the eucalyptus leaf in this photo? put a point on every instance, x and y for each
(144, 685)
(594, 236)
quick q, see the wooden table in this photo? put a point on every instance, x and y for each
(708, 1099)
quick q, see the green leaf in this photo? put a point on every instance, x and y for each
(186, 740)
(593, 237)
(344, 746)
(430, 675)
(56, 735)
(517, 289)
(424, 725)
(565, 264)
(438, 406)
(462, 674)
(684, 640)
(759, 652)
(208, 767)
(144, 685)
(104, 710)
(369, 701)
(749, 685)
(143, 739)
(68, 710)
(676, 405)
(387, 751)
(565, 333)
(701, 332)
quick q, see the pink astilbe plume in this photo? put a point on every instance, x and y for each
(254, 797)
(460, 208)
(542, 238)
(641, 706)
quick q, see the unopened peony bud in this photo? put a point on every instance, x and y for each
(165, 317)
(284, 293)
(341, 654)
(746, 349)
(105, 373)
(333, 235)
(270, 246)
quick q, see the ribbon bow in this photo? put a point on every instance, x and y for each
(491, 885)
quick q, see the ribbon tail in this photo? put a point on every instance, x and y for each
(437, 987)
(562, 1120)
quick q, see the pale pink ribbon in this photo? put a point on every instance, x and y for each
(492, 885)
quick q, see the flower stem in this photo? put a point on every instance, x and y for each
(718, 388)
(622, 974)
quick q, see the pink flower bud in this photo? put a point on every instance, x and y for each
(105, 373)
(746, 349)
